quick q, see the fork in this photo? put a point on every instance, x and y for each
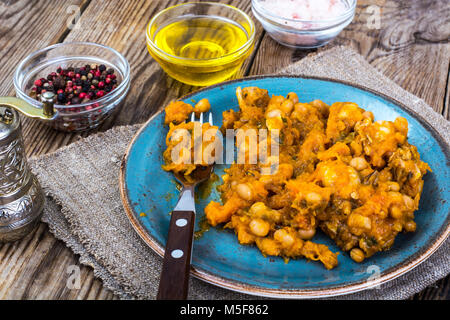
(174, 281)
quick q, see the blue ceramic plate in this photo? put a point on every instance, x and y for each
(217, 256)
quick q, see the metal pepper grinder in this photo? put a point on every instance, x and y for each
(21, 196)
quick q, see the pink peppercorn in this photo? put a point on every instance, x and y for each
(101, 84)
(38, 83)
(100, 93)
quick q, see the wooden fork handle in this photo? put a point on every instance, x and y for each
(174, 281)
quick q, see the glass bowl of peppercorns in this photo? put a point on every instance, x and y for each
(89, 81)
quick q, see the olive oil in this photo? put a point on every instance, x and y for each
(201, 50)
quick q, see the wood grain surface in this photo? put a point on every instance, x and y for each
(409, 44)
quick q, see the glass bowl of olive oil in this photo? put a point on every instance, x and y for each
(201, 43)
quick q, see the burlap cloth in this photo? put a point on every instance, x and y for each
(84, 208)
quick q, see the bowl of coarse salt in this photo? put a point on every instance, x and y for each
(304, 23)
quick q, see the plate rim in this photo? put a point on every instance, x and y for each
(398, 270)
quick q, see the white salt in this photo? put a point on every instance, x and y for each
(310, 10)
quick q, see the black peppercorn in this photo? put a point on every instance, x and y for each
(59, 83)
(61, 98)
(75, 100)
(74, 85)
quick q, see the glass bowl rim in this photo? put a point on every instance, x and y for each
(256, 5)
(103, 100)
(248, 43)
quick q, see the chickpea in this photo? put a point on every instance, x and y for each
(259, 227)
(358, 221)
(357, 255)
(368, 115)
(286, 170)
(274, 113)
(409, 202)
(283, 237)
(293, 97)
(397, 226)
(359, 163)
(313, 197)
(287, 106)
(356, 148)
(346, 207)
(257, 208)
(401, 124)
(266, 179)
(395, 196)
(202, 106)
(321, 106)
(306, 234)
(410, 226)
(393, 186)
(275, 101)
(396, 212)
(244, 191)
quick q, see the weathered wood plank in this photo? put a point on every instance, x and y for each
(29, 268)
(36, 267)
(26, 26)
(446, 112)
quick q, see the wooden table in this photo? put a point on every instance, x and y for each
(411, 47)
